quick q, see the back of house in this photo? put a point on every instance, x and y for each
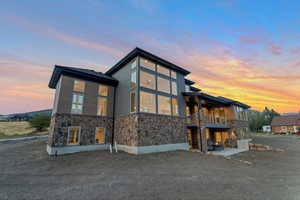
(142, 104)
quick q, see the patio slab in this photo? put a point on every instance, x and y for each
(227, 152)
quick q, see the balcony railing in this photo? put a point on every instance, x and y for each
(210, 119)
(206, 119)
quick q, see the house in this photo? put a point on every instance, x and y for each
(142, 104)
(286, 124)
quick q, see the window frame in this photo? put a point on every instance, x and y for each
(155, 102)
(79, 134)
(77, 93)
(104, 132)
(170, 98)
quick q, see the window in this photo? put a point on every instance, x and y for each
(147, 102)
(100, 136)
(174, 88)
(78, 86)
(164, 105)
(73, 135)
(173, 74)
(284, 128)
(163, 70)
(175, 106)
(163, 85)
(102, 106)
(77, 103)
(187, 88)
(147, 80)
(133, 79)
(103, 90)
(132, 102)
(147, 64)
(133, 63)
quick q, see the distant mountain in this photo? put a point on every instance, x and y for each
(290, 114)
(25, 115)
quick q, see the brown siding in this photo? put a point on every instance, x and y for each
(90, 97)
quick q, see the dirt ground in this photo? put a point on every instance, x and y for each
(27, 172)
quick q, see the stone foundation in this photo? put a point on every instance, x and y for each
(58, 132)
(144, 129)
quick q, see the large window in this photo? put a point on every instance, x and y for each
(133, 63)
(100, 135)
(147, 64)
(147, 102)
(132, 102)
(164, 105)
(174, 88)
(73, 135)
(163, 85)
(102, 100)
(77, 103)
(173, 74)
(175, 106)
(133, 79)
(102, 106)
(78, 86)
(147, 80)
(163, 70)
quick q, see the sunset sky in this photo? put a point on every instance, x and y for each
(245, 50)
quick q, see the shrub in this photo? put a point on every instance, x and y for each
(40, 122)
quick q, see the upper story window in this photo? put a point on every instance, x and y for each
(164, 105)
(173, 74)
(78, 86)
(187, 88)
(147, 80)
(163, 70)
(132, 102)
(163, 85)
(103, 90)
(174, 88)
(147, 64)
(147, 102)
(133, 63)
(175, 106)
(77, 103)
(241, 113)
(133, 79)
(102, 100)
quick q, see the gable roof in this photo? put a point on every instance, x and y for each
(86, 74)
(140, 52)
(290, 120)
(188, 82)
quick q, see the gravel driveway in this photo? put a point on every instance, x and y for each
(27, 172)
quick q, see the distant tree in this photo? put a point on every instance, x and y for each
(258, 119)
(40, 122)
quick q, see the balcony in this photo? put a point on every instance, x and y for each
(215, 122)
(192, 120)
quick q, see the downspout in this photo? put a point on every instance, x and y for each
(113, 118)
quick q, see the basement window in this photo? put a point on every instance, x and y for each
(73, 135)
(100, 135)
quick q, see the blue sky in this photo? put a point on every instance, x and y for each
(246, 50)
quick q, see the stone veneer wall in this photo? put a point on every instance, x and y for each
(58, 132)
(145, 129)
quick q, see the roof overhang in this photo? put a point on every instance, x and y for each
(140, 52)
(80, 73)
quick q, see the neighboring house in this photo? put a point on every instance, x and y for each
(286, 124)
(143, 104)
(267, 129)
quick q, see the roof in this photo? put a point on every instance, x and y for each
(188, 82)
(233, 102)
(86, 74)
(286, 120)
(194, 89)
(218, 100)
(140, 52)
